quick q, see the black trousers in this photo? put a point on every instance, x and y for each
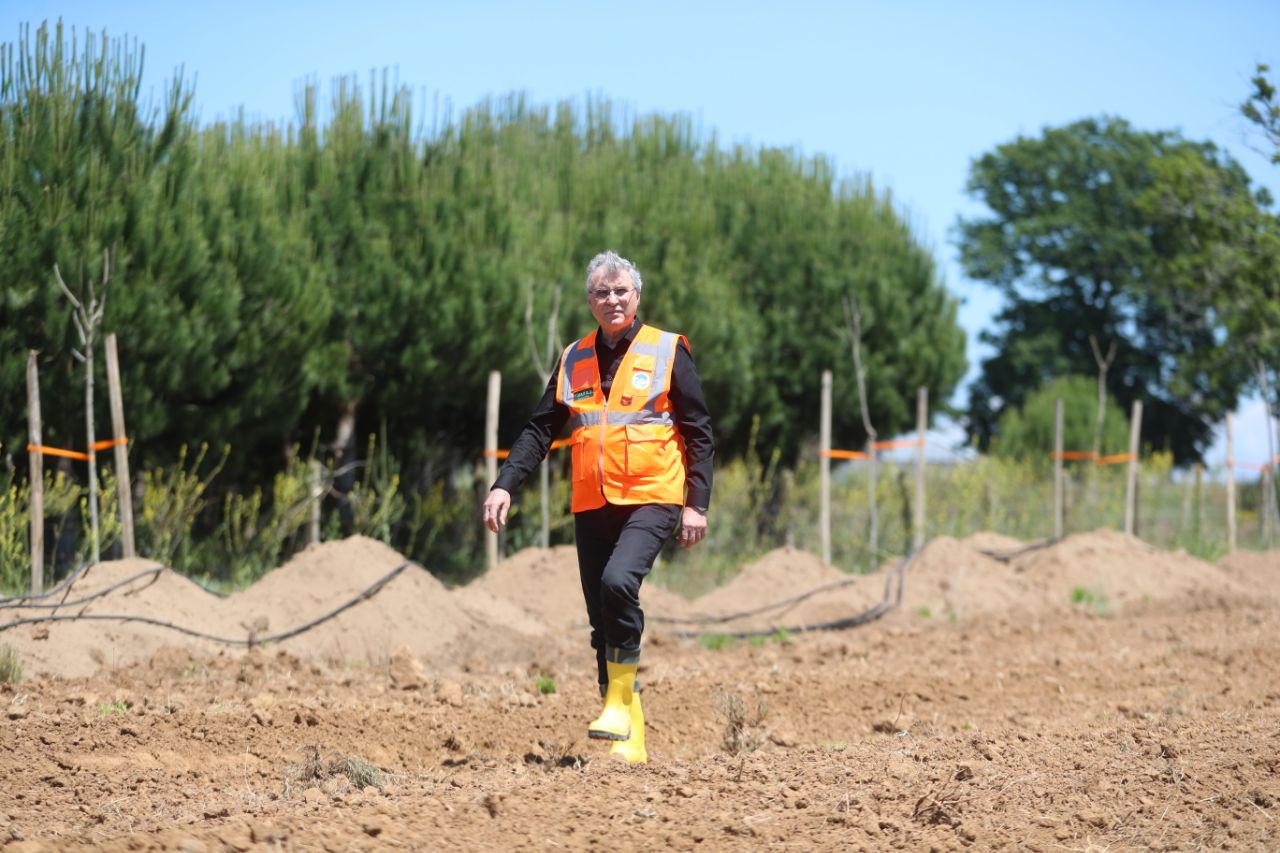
(616, 549)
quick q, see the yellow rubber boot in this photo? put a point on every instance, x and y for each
(614, 722)
(632, 749)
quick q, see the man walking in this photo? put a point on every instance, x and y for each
(642, 449)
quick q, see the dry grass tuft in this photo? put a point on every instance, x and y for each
(742, 733)
(314, 771)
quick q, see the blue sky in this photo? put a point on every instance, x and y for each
(908, 92)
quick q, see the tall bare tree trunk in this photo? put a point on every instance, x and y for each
(1268, 480)
(853, 322)
(87, 315)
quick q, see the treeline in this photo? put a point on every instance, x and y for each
(362, 270)
(1142, 258)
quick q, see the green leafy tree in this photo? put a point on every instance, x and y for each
(362, 271)
(1027, 432)
(78, 152)
(1070, 243)
(1225, 272)
(1256, 316)
(1263, 109)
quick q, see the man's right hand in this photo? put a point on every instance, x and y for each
(495, 509)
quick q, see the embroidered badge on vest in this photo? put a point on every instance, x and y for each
(584, 394)
(639, 381)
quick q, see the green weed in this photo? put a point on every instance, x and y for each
(106, 709)
(173, 498)
(10, 666)
(1093, 598)
(715, 642)
(923, 611)
(546, 684)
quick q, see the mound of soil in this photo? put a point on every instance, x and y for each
(531, 605)
(143, 589)
(413, 609)
(957, 579)
(540, 582)
(1111, 566)
(1254, 570)
(784, 574)
(543, 583)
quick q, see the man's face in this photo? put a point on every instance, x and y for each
(613, 302)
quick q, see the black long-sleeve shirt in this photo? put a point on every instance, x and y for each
(692, 419)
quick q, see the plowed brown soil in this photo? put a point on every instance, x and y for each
(1090, 694)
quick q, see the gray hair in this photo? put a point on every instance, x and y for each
(609, 263)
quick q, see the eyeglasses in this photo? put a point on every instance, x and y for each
(600, 294)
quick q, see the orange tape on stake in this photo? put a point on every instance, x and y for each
(1090, 456)
(845, 454)
(555, 445)
(1113, 459)
(76, 454)
(58, 451)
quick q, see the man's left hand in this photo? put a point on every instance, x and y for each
(693, 527)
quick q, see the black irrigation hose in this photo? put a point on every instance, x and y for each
(8, 601)
(888, 601)
(869, 615)
(1010, 556)
(369, 592)
(732, 617)
(54, 590)
(11, 603)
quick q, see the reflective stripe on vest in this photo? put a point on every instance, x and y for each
(626, 449)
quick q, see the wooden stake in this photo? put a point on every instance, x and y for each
(124, 493)
(922, 427)
(1267, 481)
(37, 475)
(317, 496)
(1131, 488)
(1268, 510)
(873, 538)
(824, 466)
(1197, 504)
(491, 456)
(1231, 492)
(1058, 513)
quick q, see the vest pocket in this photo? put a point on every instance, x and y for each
(580, 461)
(647, 450)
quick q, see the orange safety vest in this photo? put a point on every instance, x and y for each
(626, 449)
